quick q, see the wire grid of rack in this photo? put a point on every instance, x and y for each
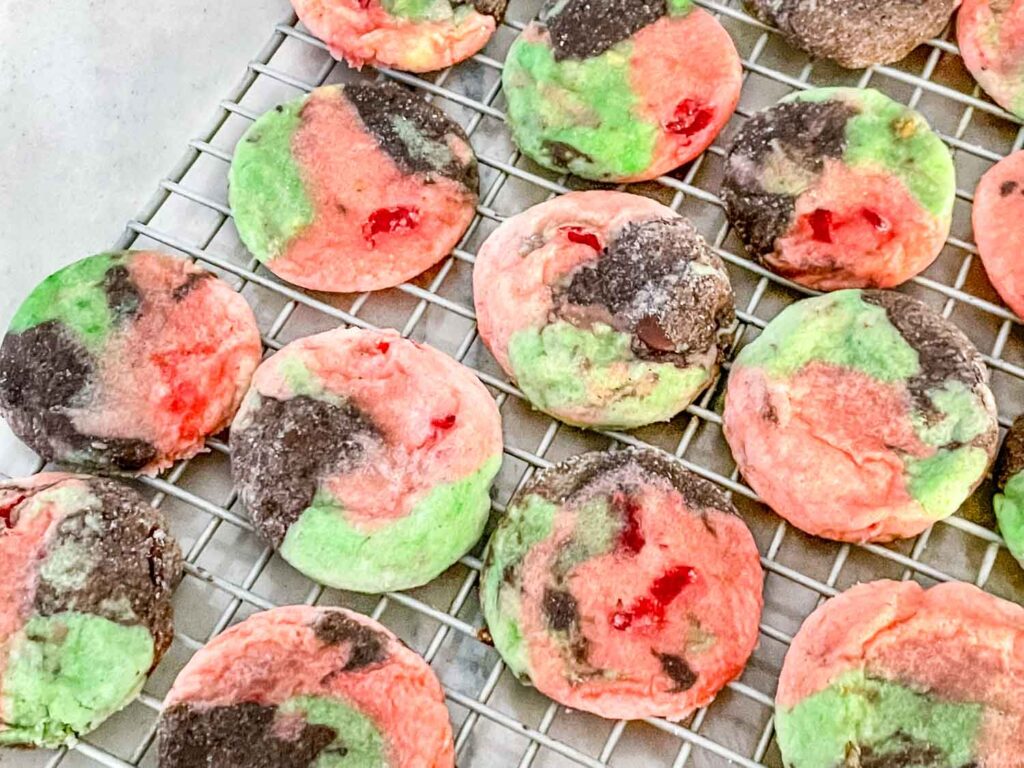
(497, 721)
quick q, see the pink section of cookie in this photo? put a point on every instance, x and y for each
(692, 55)
(280, 654)
(433, 434)
(997, 216)
(639, 606)
(182, 367)
(857, 229)
(512, 293)
(828, 454)
(375, 226)
(362, 32)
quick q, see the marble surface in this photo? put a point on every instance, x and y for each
(97, 101)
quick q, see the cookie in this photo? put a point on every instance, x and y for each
(301, 686)
(126, 362)
(411, 35)
(861, 416)
(996, 215)
(85, 607)
(620, 90)
(353, 188)
(608, 309)
(1009, 502)
(366, 459)
(840, 188)
(890, 674)
(991, 38)
(621, 584)
(855, 33)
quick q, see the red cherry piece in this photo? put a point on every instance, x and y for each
(446, 422)
(876, 220)
(7, 512)
(690, 117)
(651, 608)
(387, 220)
(383, 346)
(364, 4)
(631, 538)
(821, 224)
(582, 236)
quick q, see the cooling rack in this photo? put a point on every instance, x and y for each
(499, 723)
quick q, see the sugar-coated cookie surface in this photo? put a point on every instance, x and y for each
(353, 188)
(861, 416)
(890, 674)
(366, 458)
(306, 686)
(620, 90)
(411, 35)
(85, 613)
(856, 33)
(996, 216)
(840, 188)
(990, 34)
(621, 584)
(608, 309)
(126, 361)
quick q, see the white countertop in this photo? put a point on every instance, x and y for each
(97, 101)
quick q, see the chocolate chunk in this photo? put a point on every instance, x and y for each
(367, 645)
(579, 477)
(944, 352)
(656, 281)
(560, 609)
(796, 138)
(908, 752)
(236, 736)
(495, 8)
(287, 449)
(382, 105)
(129, 565)
(1011, 457)
(580, 29)
(1007, 188)
(193, 281)
(123, 297)
(563, 154)
(676, 668)
(45, 372)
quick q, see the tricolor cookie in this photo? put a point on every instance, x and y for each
(353, 188)
(126, 361)
(856, 33)
(890, 674)
(85, 609)
(991, 38)
(609, 310)
(997, 214)
(366, 458)
(412, 35)
(304, 686)
(1009, 502)
(861, 416)
(620, 90)
(621, 584)
(840, 188)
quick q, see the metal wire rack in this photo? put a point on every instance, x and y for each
(497, 721)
